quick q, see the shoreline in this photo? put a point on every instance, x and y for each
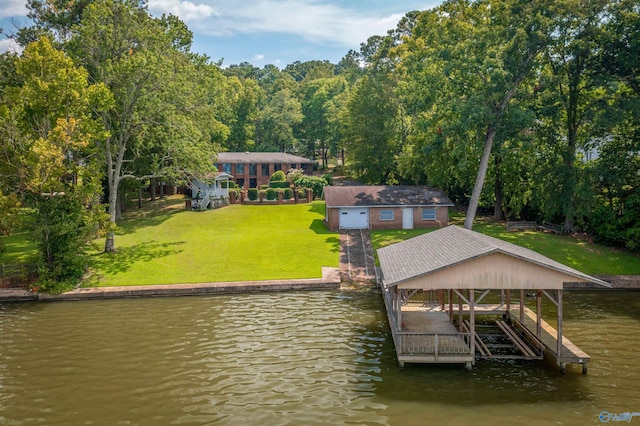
(330, 281)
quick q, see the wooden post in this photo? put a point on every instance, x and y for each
(460, 317)
(508, 301)
(472, 321)
(539, 314)
(451, 306)
(502, 297)
(399, 308)
(522, 306)
(559, 350)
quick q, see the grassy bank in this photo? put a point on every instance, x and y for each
(581, 254)
(167, 245)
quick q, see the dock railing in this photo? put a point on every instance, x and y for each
(415, 343)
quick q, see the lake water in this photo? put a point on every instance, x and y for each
(292, 359)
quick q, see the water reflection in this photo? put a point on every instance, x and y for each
(296, 358)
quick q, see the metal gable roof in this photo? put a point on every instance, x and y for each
(453, 245)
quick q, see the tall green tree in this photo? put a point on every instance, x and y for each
(49, 132)
(476, 57)
(160, 106)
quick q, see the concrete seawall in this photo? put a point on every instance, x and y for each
(330, 281)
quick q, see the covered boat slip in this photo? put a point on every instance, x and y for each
(438, 286)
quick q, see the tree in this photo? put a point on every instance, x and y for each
(276, 123)
(49, 134)
(572, 58)
(369, 129)
(477, 55)
(320, 99)
(161, 107)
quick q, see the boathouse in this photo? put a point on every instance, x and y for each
(436, 287)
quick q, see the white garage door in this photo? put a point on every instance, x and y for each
(356, 218)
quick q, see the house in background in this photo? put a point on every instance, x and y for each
(210, 192)
(252, 169)
(385, 207)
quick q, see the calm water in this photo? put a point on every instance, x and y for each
(291, 359)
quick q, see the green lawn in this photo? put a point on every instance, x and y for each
(236, 243)
(582, 255)
(164, 244)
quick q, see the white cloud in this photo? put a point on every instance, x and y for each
(258, 57)
(8, 45)
(185, 10)
(313, 20)
(11, 8)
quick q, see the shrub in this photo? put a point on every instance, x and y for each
(302, 193)
(252, 193)
(272, 194)
(287, 194)
(316, 184)
(278, 176)
(263, 187)
(294, 175)
(329, 178)
(278, 184)
(227, 184)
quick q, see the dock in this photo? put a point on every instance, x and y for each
(426, 336)
(570, 353)
(433, 333)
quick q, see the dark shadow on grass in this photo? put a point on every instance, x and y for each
(318, 227)
(123, 259)
(318, 208)
(155, 218)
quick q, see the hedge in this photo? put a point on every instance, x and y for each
(287, 194)
(278, 176)
(252, 193)
(272, 194)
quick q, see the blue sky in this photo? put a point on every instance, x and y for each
(267, 31)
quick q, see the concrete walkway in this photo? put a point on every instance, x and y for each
(356, 256)
(330, 281)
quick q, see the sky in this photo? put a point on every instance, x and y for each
(265, 32)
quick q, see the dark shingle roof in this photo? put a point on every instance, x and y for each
(261, 157)
(452, 245)
(365, 196)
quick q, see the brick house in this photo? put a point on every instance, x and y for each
(252, 169)
(385, 207)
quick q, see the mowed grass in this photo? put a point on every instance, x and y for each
(580, 254)
(169, 245)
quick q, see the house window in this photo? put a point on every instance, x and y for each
(253, 183)
(265, 170)
(239, 169)
(277, 166)
(226, 168)
(429, 213)
(253, 169)
(240, 183)
(386, 214)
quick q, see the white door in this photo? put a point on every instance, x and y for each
(354, 218)
(407, 218)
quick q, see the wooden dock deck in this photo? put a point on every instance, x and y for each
(426, 336)
(571, 354)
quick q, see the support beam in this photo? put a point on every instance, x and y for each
(460, 317)
(539, 314)
(521, 305)
(451, 306)
(399, 308)
(559, 350)
(472, 320)
(508, 301)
